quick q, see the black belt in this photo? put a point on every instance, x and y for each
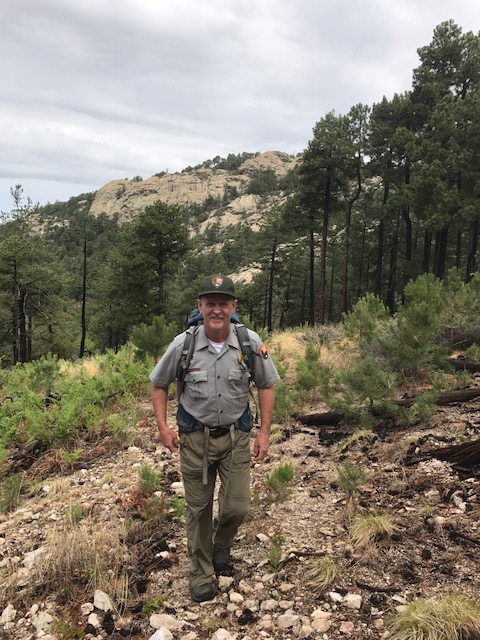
(218, 432)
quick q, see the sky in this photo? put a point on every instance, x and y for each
(98, 90)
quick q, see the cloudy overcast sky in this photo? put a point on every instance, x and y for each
(98, 90)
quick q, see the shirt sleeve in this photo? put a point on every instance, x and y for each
(165, 371)
(265, 373)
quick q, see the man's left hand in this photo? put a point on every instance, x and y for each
(260, 447)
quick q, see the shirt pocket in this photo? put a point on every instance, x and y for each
(196, 382)
(238, 382)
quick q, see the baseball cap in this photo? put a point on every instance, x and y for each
(217, 283)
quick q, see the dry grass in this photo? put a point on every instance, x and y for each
(289, 346)
(322, 573)
(446, 617)
(370, 527)
(81, 560)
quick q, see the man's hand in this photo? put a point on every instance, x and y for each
(169, 439)
(260, 446)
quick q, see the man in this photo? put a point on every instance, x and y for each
(214, 422)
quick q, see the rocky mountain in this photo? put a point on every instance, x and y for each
(127, 198)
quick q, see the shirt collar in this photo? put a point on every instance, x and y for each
(202, 340)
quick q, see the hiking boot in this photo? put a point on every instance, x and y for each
(221, 560)
(202, 592)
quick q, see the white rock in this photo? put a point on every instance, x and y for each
(286, 604)
(8, 614)
(269, 605)
(178, 489)
(352, 601)
(320, 613)
(286, 620)
(285, 587)
(102, 601)
(159, 620)
(86, 608)
(335, 597)
(262, 538)
(245, 587)
(222, 634)
(42, 621)
(32, 556)
(305, 631)
(94, 620)
(33, 609)
(235, 597)
(162, 634)
(321, 625)
(347, 627)
(191, 615)
(23, 577)
(191, 635)
(224, 582)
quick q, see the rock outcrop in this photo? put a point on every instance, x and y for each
(127, 198)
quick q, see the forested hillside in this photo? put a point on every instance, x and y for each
(379, 196)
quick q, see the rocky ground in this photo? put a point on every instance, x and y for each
(434, 548)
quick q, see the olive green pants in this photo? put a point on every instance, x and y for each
(233, 497)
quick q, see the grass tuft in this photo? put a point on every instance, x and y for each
(449, 616)
(369, 527)
(322, 573)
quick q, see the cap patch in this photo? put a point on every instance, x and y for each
(217, 281)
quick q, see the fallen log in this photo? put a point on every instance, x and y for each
(319, 419)
(464, 364)
(445, 397)
(466, 454)
(442, 399)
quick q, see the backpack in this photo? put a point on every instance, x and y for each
(193, 321)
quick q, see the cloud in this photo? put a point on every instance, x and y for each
(106, 89)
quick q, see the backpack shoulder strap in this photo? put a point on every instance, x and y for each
(185, 358)
(246, 347)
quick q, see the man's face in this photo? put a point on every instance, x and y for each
(217, 309)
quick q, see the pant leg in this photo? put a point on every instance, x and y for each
(198, 512)
(234, 494)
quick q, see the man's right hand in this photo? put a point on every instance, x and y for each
(169, 439)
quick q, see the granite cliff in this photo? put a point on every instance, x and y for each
(127, 198)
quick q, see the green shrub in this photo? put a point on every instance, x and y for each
(176, 507)
(154, 604)
(10, 490)
(153, 339)
(280, 479)
(365, 318)
(283, 403)
(275, 555)
(149, 480)
(308, 368)
(76, 513)
(350, 478)
(369, 381)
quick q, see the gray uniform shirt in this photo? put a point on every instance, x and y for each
(216, 384)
